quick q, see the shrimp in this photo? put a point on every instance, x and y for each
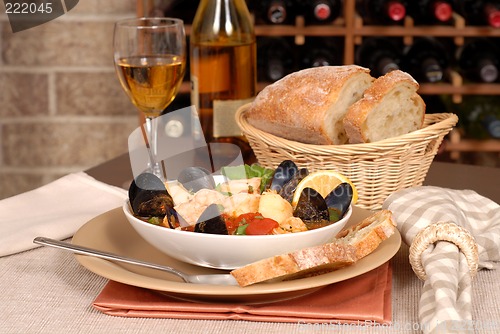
(178, 192)
(241, 203)
(290, 225)
(192, 209)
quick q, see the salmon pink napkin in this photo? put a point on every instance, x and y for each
(365, 299)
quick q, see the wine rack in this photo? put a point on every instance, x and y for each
(351, 28)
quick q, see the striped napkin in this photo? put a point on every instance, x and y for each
(451, 234)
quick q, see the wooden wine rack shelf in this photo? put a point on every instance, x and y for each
(351, 28)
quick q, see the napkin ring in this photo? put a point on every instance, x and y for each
(443, 231)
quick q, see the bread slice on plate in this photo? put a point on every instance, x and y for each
(368, 234)
(390, 107)
(350, 245)
(308, 105)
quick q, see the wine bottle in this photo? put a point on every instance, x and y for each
(321, 11)
(380, 54)
(426, 60)
(223, 68)
(432, 11)
(276, 12)
(274, 58)
(479, 60)
(383, 11)
(481, 12)
(480, 116)
(321, 51)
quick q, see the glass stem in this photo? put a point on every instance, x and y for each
(151, 133)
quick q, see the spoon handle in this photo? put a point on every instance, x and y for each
(105, 255)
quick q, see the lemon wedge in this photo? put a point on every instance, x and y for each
(323, 181)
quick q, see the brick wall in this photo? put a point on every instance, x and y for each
(61, 106)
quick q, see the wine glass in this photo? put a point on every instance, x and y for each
(150, 60)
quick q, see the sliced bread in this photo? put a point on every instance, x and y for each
(350, 245)
(308, 105)
(390, 107)
(368, 234)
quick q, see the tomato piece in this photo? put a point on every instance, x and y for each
(231, 224)
(261, 226)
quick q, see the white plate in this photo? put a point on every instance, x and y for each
(111, 232)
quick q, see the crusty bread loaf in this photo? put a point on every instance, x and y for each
(350, 245)
(308, 105)
(390, 107)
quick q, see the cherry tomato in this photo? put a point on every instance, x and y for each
(261, 226)
(253, 222)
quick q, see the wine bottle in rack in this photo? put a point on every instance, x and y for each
(276, 12)
(481, 12)
(321, 51)
(321, 11)
(383, 11)
(275, 58)
(223, 68)
(426, 60)
(480, 116)
(432, 11)
(479, 60)
(380, 54)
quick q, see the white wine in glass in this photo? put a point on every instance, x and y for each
(150, 60)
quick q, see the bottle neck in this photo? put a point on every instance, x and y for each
(225, 21)
(395, 10)
(275, 69)
(276, 12)
(442, 11)
(385, 65)
(492, 126)
(431, 70)
(488, 72)
(492, 14)
(322, 11)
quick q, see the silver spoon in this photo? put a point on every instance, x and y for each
(215, 279)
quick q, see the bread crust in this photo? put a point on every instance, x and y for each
(300, 106)
(356, 117)
(302, 263)
(350, 245)
(368, 234)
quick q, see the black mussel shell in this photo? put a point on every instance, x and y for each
(282, 174)
(175, 220)
(196, 178)
(211, 221)
(288, 188)
(339, 199)
(311, 206)
(149, 197)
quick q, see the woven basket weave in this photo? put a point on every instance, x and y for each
(376, 169)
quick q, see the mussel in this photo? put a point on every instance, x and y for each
(282, 174)
(196, 178)
(316, 211)
(339, 199)
(149, 197)
(211, 221)
(288, 189)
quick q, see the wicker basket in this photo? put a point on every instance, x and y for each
(376, 169)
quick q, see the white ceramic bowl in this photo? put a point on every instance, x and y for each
(228, 251)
